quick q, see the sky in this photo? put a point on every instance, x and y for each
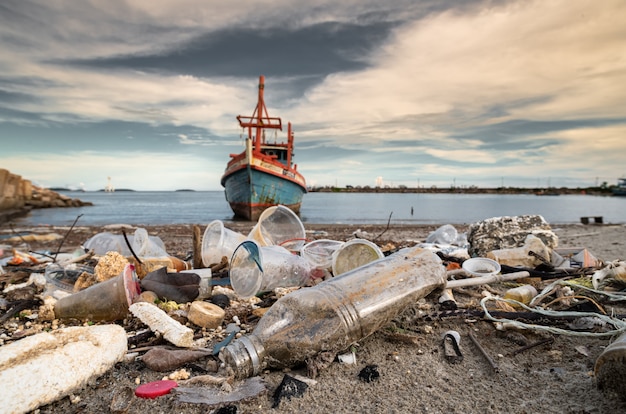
(401, 92)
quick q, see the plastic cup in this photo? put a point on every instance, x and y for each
(445, 234)
(279, 226)
(63, 278)
(481, 266)
(355, 253)
(218, 241)
(105, 301)
(255, 268)
(320, 252)
(145, 245)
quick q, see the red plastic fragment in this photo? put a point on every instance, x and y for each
(155, 389)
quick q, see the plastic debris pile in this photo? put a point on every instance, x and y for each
(223, 314)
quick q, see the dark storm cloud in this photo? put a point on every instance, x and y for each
(310, 51)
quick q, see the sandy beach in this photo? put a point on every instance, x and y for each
(414, 374)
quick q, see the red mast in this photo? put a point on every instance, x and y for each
(260, 120)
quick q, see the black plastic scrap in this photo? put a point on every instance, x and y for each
(179, 287)
(451, 348)
(369, 373)
(289, 387)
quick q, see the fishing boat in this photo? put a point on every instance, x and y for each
(263, 175)
(620, 188)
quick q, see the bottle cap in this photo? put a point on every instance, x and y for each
(155, 389)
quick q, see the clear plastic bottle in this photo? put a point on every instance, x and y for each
(336, 313)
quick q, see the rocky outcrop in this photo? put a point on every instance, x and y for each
(18, 196)
(508, 232)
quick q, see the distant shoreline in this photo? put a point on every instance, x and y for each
(596, 191)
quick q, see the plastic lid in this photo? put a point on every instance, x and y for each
(355, 253)
(155, 389)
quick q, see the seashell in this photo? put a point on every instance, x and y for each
(615, 270)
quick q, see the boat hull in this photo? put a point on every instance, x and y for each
(250, 191)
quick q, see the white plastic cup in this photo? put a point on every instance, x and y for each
(279, 226)
(320, 252)
(355, 253)
(255, 268)
(145, 245)
(218, 241)
(104, 242)
(481, 266)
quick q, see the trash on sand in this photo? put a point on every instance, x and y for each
(451, 347)
(231, 331)
(484, 280)
(142, 244)
(349, 358)
(521, 256)
(45, 367)
(155, 389)
(256, 269)
(179, 287)
(159, 321)
(573, 257)
(64, 277)
(614, 271)
(219, 242)
(288, 388)
(279, 226)
(353, 254)
(445, 235)
(161, 359)
(249, 388)
(332, 315)
(523, 294)
(610, 368)
(480, 266)
(369, 373)
(104, 301)
(320, 252)
(205, 314)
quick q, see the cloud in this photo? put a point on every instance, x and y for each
(399, 89)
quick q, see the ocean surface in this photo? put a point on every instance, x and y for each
(202, 207)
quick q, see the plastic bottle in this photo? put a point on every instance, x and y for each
(336, 313)
(523, 294)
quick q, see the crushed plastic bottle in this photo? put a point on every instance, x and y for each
(336, 313)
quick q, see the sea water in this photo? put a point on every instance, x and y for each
(202, 207)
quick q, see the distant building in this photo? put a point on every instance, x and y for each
(109, 187)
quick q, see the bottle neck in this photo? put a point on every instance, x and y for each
(245, 356)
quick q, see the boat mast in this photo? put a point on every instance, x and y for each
(260, 120)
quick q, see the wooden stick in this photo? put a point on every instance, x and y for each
(493, 363)
(197, 247)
